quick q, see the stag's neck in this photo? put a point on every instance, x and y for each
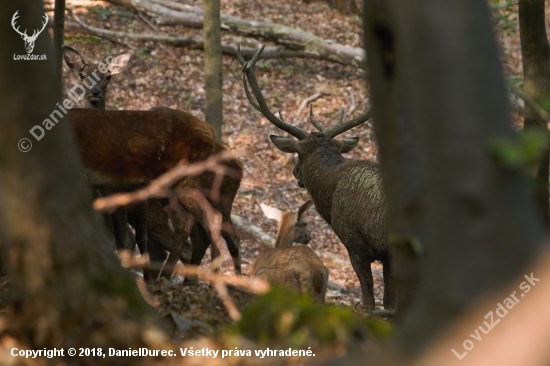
(100, 105)
(321, 172)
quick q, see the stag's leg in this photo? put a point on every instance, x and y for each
(390, 299)
(361, 266)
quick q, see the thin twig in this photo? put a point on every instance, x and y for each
(148, 22)
(157, 187)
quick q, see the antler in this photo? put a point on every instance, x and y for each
(13, 19)
(342, 127)
(35, 34)
(259, 103)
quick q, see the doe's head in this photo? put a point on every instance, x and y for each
(292, 227)
(95, 76)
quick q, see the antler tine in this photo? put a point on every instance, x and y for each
(46, 20)
(341, 117)
(13, 19)
(314, 122)
(342, 127)
(240, 57)
(260, 104)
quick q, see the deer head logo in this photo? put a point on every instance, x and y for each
(29, 41)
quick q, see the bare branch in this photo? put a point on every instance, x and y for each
(157, 188)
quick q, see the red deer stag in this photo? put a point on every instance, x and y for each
(297, 267)
(346, 193)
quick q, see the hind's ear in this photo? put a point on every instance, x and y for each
(286, 144)
(72, 58)
(304, 208)
(347, 144)
(119, 62)
(271, 212)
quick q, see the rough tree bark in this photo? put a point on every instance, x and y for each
(478, 224)
(70, 288)
(536, 84)
(213, 66)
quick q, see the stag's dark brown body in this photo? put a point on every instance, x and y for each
(348, 195)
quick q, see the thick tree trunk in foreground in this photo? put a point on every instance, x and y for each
(479, 227)
(213, 66)
(71, 290)
(536, 84)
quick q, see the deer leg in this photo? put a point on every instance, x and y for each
(140, 225)
(183, 222)
(233, 244)
(390, 299)
(120, 222)
(362, 269)
(210, 219)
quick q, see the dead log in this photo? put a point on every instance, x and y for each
(294, 39)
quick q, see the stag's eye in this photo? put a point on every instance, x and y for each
(82, 76)
(108, 77)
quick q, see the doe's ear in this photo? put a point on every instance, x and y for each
(119, 62)
(347, 144)
(271, 212)
(286, 144)
(304, 208)
(72, 58)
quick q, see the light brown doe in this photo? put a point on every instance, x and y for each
(297, 267)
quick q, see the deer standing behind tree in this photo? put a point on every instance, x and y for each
(297, 267)
(159, 233)
(346, 193)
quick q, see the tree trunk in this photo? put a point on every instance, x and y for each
(536, 84)
(71, 289)
(213, 66)
(478, 226)
(58, 32)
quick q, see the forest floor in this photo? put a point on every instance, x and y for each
(163, 75)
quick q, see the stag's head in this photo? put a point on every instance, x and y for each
(29, 40)
(306, 143)
(96, 75)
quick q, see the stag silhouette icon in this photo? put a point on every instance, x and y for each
(29, 40)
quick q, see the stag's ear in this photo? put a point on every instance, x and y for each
(286, 144)
(304, 208)
(347, 144)
(271, 212)
(119, 62)
(73, 59)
